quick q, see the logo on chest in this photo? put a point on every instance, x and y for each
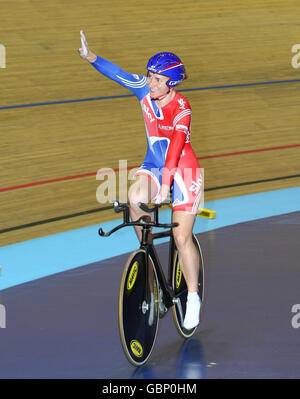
(148, 113)
(162, 127)
(181, 103)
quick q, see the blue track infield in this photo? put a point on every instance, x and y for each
(33, 259)
(66, 325)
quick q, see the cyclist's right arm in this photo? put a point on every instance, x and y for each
(135, 83)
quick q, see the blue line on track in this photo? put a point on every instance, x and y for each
(132, 95)
(41, 257)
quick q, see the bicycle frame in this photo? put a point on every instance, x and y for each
(147, 244)
(142, 304)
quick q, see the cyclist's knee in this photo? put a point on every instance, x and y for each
(137, 195)
(140, 191)
(182, 238)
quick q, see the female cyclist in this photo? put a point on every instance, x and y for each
(170, 159)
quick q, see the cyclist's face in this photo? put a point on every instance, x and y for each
(157, 84)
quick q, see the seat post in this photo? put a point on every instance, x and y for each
(145, 235)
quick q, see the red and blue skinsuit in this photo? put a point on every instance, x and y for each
(170, 157)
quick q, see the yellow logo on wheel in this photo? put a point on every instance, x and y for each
(136, 348)
(178, 275)
(132, 276)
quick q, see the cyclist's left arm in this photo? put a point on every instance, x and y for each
(178, 140)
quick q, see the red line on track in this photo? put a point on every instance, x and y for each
(283, 147)
(132, 167)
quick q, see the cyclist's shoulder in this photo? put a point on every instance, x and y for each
(136, 83)
(132, 79)
(182, 103)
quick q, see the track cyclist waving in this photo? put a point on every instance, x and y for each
(170, 160)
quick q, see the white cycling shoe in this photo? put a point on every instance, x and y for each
(192, 314)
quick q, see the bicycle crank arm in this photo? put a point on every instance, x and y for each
(177, 303)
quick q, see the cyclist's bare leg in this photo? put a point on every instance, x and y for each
(187, 252)
(142, 190)
(189, 263)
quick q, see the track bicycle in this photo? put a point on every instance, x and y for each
(146, 294)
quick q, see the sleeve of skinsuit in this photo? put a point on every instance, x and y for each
(137, 84)
(180, 136)
(173, 155)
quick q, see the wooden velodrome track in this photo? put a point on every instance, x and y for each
(222, 43)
